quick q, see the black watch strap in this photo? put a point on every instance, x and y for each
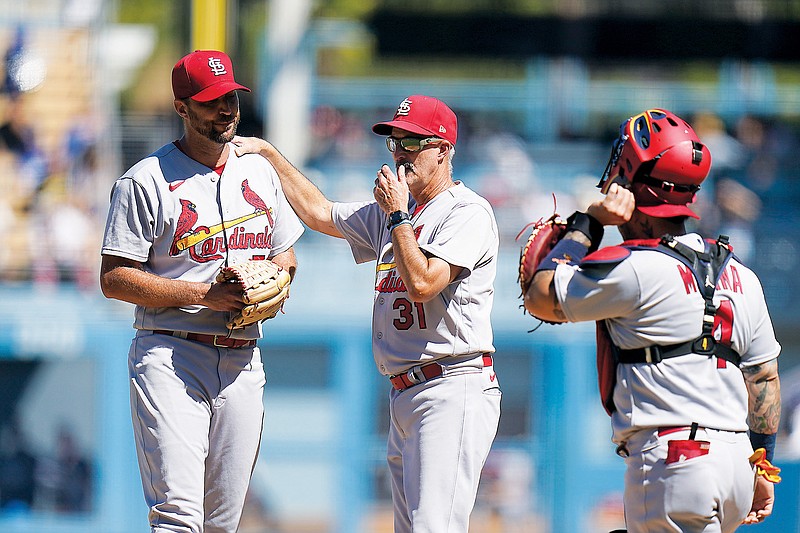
(396, 217)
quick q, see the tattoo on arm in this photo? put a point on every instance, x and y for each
(764, 392)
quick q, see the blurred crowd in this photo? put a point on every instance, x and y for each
(59, 482)
(47, 206)
(753, 175)
(54, 221)
(55, 192)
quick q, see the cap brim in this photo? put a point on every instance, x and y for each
(385, 128)
(213, 92)
(667, 211)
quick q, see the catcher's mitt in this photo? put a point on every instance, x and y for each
(265, 286)
(544, 236)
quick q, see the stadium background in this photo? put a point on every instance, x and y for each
(540, 88)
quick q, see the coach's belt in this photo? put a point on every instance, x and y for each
(422, 373)
(220, 341)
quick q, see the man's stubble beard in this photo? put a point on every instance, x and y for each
(227, 135)
(206, 129)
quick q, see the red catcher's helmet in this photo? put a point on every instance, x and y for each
(659, 157)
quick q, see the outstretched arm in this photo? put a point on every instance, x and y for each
(306, 199)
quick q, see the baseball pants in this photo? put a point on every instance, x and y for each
(197, 419)
(688, 491)
(439, 438)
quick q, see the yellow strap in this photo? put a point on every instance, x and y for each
(763, 467)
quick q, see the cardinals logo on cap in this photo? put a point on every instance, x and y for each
(422, 115)
(404, 108)
(216, 66)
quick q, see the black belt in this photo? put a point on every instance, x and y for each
(220, 341)
(656, 353)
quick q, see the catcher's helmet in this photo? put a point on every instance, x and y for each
(660, 158)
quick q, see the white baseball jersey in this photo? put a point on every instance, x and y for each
(651, 298)
(183, 220)
(457, 226)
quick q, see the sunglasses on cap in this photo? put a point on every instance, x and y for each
(409, 144)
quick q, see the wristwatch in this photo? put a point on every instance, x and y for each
(396, 217)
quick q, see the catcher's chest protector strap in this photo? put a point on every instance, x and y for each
(707, 267)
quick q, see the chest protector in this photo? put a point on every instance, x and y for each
(707, 267)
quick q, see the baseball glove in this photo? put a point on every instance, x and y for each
(544, 236)
(265, 286)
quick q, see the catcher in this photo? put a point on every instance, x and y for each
(687, 356)
(183, 228)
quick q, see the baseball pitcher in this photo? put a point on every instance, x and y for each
(200, 239)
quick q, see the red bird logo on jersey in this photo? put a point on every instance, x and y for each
(186, 221)
(206, 243)
(252, 198)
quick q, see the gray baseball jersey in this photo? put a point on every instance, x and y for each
(183, 220)
(457, 226)
(440, 431)
(196, 408)
(652, 300)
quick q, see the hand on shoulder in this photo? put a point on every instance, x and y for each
(250, 145)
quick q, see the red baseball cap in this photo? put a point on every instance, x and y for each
(204, 75)
(423, 115)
